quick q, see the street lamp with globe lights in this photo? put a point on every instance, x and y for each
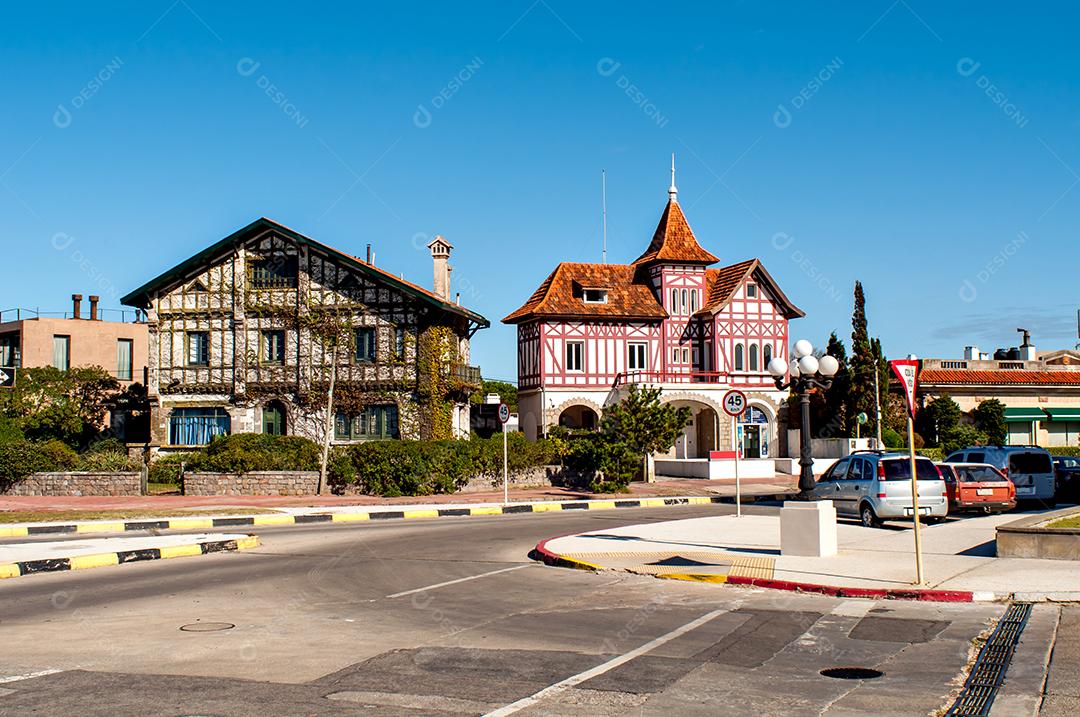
(807, 372)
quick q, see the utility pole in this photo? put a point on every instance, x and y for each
(603, 212)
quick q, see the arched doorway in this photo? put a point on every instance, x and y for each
(755, 433)
(273, 418)
(579, 416)
(700, 436)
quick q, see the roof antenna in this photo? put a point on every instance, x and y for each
(672, 191)
(603, 205)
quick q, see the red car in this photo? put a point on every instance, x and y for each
(977, 487)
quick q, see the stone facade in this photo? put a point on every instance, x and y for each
(77, 484)
(256, 483)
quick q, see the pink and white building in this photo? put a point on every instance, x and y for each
(669, 319)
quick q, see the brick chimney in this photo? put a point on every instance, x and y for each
(76, 306)
(93, 307)
(440, 256)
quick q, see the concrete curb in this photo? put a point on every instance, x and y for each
(201, 523)
(100, 560)
(543, 554)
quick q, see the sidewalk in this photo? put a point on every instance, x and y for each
(958, 556)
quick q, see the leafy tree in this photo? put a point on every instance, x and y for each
(635, 428)
(834, 420)
(960, 437)
(68, 406)
(507, 392)
(942, 420)
(989, 418)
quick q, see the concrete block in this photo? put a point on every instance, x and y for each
(808, 528)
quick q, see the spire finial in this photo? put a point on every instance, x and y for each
(672, 191)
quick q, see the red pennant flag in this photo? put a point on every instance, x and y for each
(907, 370)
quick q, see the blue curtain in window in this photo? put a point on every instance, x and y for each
(197, 426)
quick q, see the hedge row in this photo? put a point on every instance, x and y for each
(19, 459)
(387, 468)
(397, 468)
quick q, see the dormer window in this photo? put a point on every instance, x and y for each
(594, 296)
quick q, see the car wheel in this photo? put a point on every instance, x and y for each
(934, 520)
(868, 517)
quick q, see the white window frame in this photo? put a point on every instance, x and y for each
(578, 359)
(603, 294)
(637, 350)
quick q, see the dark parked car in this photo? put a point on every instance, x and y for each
(1067, 471)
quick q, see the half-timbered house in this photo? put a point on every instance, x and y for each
(249, 334)
(668, 319)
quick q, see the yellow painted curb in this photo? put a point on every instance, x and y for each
(651, 502)
(83, 562)
(180, 551)
(99, 527)
(13, 532)
(251, 541)
(349, 517)
(694, 578)
(545, 507)
(700, 500)
(190, 523)
(9, 571)
(422, 514)
(489, 510)
(602, 505)
(273, 520)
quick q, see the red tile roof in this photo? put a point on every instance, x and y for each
(722, 283)
(674, 240)
(1008, 377)
(560, 295)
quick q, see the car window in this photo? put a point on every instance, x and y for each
(1030, 462)
(955, 458)
(976, 458)
(855, 472)
(978, 474)
(837, 471)
(947, 473)
(900, 469)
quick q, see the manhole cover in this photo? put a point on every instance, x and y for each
(852, 673)
(207, 626)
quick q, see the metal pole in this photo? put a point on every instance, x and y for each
(506, 472)
(877, 406)
(806, 461)
(738, 485)
(915, 503)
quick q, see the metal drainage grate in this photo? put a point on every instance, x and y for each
(852, 673)
(207, 626)
(986, 676)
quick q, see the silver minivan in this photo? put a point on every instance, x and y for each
(876, 486)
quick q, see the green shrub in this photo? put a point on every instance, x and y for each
(892, 439)
(246, 452)
(107, 462)
(60, 454)
(1073, 451)
(19, 459)
(934, 454)
(166, 469)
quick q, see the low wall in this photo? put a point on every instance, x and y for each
(1025, 539)
(77, 484)
(717, 469)
(256, 483)
(535, 477)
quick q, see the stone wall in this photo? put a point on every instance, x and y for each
(256, 483)
(76, 484)
(535, 477)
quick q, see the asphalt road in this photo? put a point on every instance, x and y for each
(450, 617)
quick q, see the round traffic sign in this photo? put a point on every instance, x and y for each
(504, 413)
(734, 403)
(862, 418)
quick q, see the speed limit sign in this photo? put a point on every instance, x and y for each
(504, 413)
(734, 403)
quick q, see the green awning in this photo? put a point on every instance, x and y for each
(1064, 414)
(1025, 415)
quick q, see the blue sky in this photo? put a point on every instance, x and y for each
(930, 151)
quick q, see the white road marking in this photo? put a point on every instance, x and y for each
(27, 676)
(459, 580)
(602, 668)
